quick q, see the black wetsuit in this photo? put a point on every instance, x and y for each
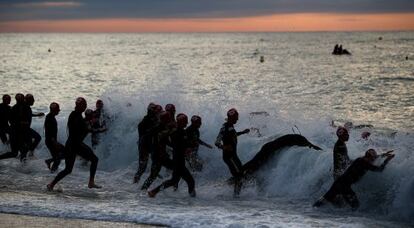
(5, 111)
(341, 159)
(193, 135)
(145, 142)
(179, 144)
(55, 148)
(342, 185)
(20, 119)
(99, 124)
(228, 136)
(159, 155)
(35, 137)
(75, 146)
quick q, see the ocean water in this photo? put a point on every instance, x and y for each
(300, 85)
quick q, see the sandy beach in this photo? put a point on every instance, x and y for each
(15, 220)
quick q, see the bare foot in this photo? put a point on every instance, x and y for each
(136, 179)
(152, 194)
(93, 185)
(49, 187)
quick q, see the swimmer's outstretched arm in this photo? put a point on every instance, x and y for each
(386, 154)
(314, 147)
(245, 131)
(38, 114)
(201, 142)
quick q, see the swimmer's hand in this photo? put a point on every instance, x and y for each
(39, 114)
(218, 145)
(389, 157)
(388, 153)
(245, 131)
(314, 147)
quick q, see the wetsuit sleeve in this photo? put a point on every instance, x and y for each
(219, 138)
(375, 168)
(201, 142)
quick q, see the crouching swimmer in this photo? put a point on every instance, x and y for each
(180, 145)
(342, 185)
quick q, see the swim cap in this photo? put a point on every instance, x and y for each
(232, 112)
(99, 104)
(341, 131)
(6, 98)
(365, 134)
(19, 97)
(182, 119)
(170, 108)
(88, 112)
(158, 108)
(151, 107)
(195, 119)
(371, 153)
(29, 97)
(54, 106)
(79, 101)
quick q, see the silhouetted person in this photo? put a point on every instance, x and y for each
(193, 135)
(170, 108)
(20, 119)
(35, 137)
(56, 149)
(358, 168)
(179, 144)
(99, 122)
(78, 130)
(335, 51)
(159, 154)
(227, 141)
(145, 140)
(5, 110)
(340, 152)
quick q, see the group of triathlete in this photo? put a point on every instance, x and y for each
(159, 132)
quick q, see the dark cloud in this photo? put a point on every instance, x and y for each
(89, 9)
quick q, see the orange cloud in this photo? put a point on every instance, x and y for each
(47, 4)
(273, 23)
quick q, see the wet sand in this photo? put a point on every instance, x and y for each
(15, 220)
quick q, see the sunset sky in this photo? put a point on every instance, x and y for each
(205, 15)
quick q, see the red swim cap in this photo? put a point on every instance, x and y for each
(158, 108)
(170, 108)
(195, 119)
(371, 153)
(182, 119)
(80, 100)
(232, 112)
